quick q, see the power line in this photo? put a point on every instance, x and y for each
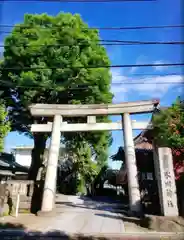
(82, 1)
(110, 43)
(147, 82)
(152, 74)
(85, 86)
(95, 66)
(11, 85)
(100, 28)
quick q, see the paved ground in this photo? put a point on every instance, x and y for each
(81, 216)
(75, 215)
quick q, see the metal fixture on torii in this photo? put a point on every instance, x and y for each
(58, 111)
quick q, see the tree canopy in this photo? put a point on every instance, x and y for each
(55, 59)
(169, 126)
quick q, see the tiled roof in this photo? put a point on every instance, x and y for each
(141, 146)
(4, 164)
(145, 145)
(7, 162)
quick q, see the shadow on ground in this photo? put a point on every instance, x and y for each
(104, 207)
(11, 226)
(97, 203)
(10, 231)
(18, 231)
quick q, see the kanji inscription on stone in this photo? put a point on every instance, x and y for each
(167, 175)
(166, 181)
(165, 162)
(170, 203)
(169, 193)
(168, 184)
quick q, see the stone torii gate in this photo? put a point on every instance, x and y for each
(91, 111)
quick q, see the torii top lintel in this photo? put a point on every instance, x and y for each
(93, 109)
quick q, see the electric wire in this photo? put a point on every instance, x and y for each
(85, 86)
(82, 1)
(106, 28)
(95, 66)
(105, 43)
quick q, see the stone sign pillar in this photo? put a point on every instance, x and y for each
(163, 161)
(130, 159)
(48, 201)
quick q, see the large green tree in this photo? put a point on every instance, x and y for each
(55, 59)
(4, 125)
(169, 125)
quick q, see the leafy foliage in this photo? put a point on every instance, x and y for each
(169, 132)
(45, 61)
(78, 170)
(84, 166)
(101, 177)
(169, 126)
(4, 125)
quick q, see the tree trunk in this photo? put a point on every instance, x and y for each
(37, 154)
(37, 160)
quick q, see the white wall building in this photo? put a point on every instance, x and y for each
(23, 155)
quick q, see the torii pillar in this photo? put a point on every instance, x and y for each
(49, 191)
(130, 159)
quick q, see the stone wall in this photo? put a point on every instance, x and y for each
(25, 191)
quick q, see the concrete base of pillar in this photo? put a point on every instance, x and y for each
(46, 213)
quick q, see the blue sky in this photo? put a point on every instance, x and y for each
(145, 13)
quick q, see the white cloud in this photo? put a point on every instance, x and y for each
(152, 86)
(180, 90)
(143, 60)
(117, 79)
(157, 86)
(159, 68)
(140, 60)
(127, 85)
(117, 75)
